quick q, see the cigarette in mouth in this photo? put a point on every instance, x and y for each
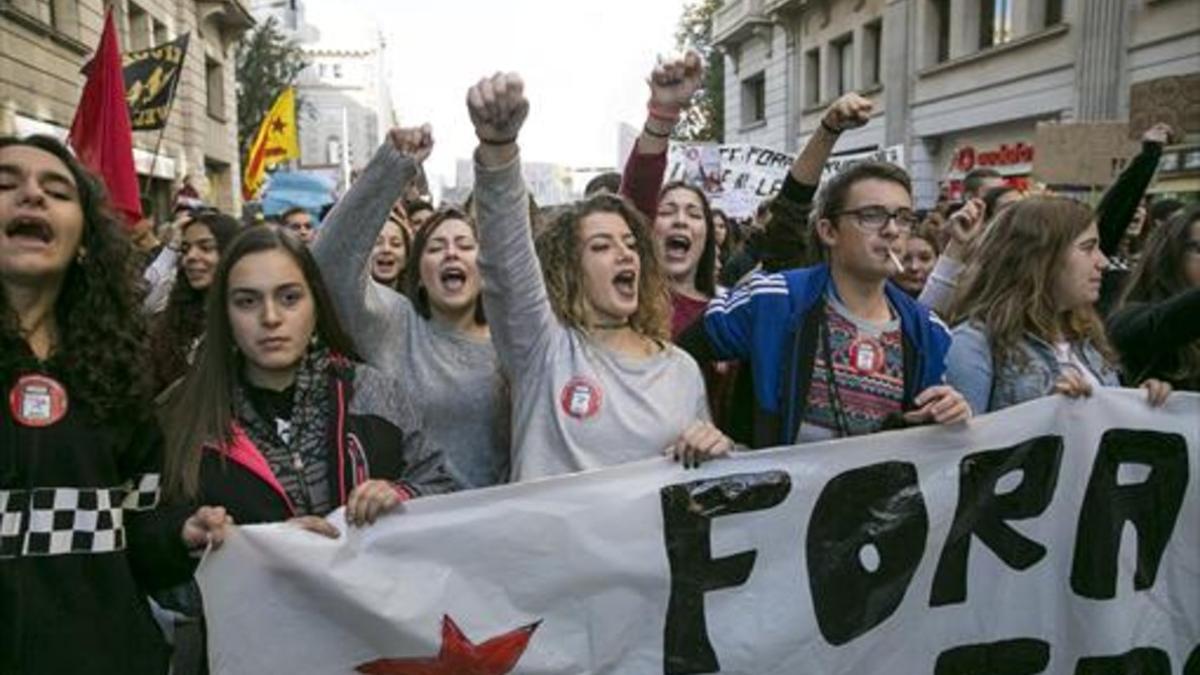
(896, 261)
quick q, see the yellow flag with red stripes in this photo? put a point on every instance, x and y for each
(275, 142)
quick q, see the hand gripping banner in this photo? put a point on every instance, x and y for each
(1057, 536)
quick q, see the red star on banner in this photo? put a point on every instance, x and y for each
(278, 126)
(460, 656)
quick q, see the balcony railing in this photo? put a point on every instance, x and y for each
(737, 19)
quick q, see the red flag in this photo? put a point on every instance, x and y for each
(101, 134)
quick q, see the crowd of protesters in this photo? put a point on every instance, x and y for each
(164, 386)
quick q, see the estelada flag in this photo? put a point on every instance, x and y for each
(151, 77)
(101, 134)
(275, 142)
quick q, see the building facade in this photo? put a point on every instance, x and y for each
(345, 105)
(956, 83)
(44, 44)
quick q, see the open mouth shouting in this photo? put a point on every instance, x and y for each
(387, 266)
(625, 283)
(676, 247)
(29, 231)
(453, 279)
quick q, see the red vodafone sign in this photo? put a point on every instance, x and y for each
(1017, 158)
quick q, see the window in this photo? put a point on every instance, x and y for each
(214, 77)
(139, 29)
(995, 22)
(754, 99)
(333, 150)
(161, 34)
(941, 23)
(1054, 12)
(812, 77)
(872, 73)
(842, 58)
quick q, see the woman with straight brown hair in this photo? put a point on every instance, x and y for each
(1026, 322)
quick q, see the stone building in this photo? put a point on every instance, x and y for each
(44, 43)
(345, 103)
(956, 82)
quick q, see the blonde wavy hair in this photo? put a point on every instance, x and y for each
(1008, 287)
(560, 250)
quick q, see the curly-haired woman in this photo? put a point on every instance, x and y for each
(1028, 326)
(1157, 326)
(81, 455)
(590, 335)
(176, 332)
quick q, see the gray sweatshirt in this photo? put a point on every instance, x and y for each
(576, 405)
(458, 387)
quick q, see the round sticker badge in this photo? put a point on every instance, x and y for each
(37, 401)
(581, 397)
(867, 355)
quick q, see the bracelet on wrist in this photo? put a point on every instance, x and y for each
(826, 126)
(655, 134)
(663, 114)
(497, 141)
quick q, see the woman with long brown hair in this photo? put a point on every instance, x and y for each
(1027, 325)
(580, 321)
(434, 335)
(277, 420)
(175, 334)
(1157, 326)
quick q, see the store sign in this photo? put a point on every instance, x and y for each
(1007, 159)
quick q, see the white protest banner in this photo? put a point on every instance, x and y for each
(1057, 536)
(736, 178)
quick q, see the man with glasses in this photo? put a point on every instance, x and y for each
(836, 349)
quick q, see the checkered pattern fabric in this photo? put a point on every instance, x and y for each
(58, 521)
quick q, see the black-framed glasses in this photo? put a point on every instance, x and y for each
(874, 218)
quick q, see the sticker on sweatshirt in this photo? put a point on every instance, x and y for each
(581, 397)
(867, 355)
(37, 401)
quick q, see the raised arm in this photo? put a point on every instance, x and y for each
(672, 85)
(514, 292)
(786, 243)
(377, 314)
(1119, 203)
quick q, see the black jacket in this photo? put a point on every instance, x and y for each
(79, 549)
(1149, 336)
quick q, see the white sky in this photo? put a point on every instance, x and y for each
(584, 63)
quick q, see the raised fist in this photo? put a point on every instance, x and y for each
(848, 112)
(498, 108)
(674, 81)
(967, 222)
(1160, 133)
(416, 143)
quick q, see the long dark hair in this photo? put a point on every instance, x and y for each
(100, 350)
(200, 411)
(1159, 275)
(173, 332)
(412, 269)
(706, 269)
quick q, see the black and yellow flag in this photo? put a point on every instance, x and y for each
(151, 77)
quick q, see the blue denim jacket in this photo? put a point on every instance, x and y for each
(970, 368)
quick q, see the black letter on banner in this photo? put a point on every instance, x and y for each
(1152, 507)
(688, 510)
(1144, 661)
(982, 513)
(880, 506)
(1023, 656)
